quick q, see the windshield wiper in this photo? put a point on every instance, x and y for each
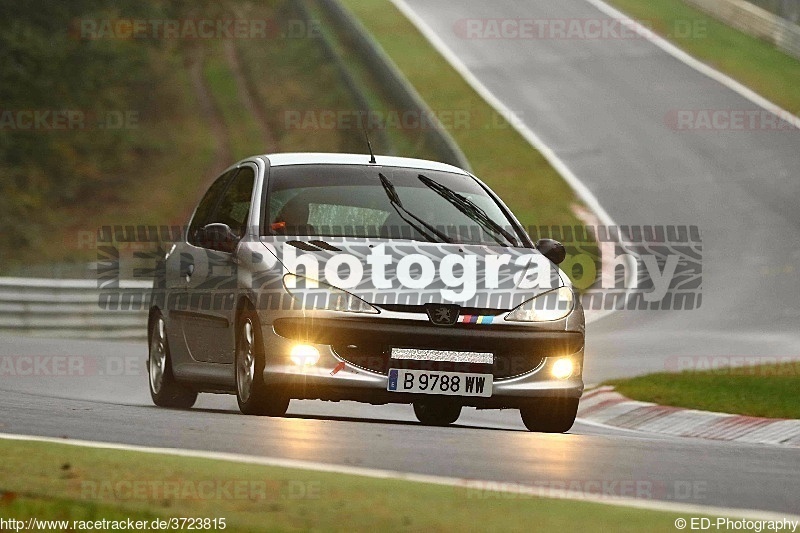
(394, 199)
(470, 209)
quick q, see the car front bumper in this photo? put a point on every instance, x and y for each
(335, 377)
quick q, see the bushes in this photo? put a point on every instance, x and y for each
(47, 73)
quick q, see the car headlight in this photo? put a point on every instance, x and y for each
(546, 307)
(313, 294)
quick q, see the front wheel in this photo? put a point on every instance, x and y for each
(433, 413)
(550, 415)
(164, 389)
(252, 394)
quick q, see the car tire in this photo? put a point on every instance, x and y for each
(164, 389)
(252, 394)
(551, 415)
(433, 413)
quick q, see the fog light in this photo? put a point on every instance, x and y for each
(304, 355)
(562, 368)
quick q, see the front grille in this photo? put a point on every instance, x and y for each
(378, 359)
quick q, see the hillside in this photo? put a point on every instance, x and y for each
(99, 126)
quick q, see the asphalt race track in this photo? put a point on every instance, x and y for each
(601, 106)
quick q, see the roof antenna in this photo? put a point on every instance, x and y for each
(369, 145)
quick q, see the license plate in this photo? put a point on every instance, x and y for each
(449, 383)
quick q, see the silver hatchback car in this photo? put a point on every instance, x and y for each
(379, 280)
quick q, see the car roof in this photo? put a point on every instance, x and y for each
(314, 158)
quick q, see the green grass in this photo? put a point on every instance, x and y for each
(244, 134)
(499, 155)
(58, 481)
(762, 390)
(749, 60)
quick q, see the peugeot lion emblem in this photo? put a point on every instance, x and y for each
(442, 314)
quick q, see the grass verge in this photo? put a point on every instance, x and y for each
(749, 60)
(761, 390)
(499, 155)
(62, 482)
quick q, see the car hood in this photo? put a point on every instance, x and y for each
(415, 273)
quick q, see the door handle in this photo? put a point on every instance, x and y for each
(188, 272)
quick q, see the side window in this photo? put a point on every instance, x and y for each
(205, 209)
(234, 208)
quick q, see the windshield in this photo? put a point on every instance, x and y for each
(385, 202)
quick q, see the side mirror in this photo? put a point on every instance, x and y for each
(220, 237)
(552, 249)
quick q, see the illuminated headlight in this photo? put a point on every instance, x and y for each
(313, 294)
(304, 355)
(548, 306)
(562, 368)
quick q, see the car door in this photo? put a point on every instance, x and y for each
(180, 266)
(209, 327)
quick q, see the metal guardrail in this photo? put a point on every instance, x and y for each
(395, 83)
(755, 21)
(787, 9)
(74, 308)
